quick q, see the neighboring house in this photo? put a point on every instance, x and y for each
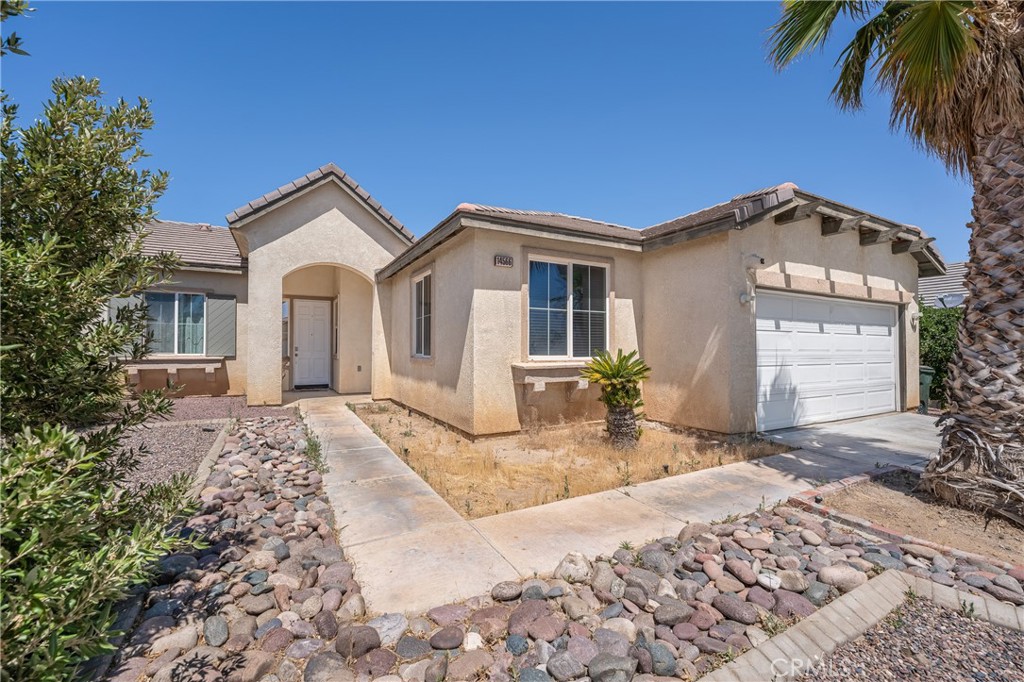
(778, 307)
(944, 291)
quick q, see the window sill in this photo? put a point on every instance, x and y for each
(558, 363)
(153, 358)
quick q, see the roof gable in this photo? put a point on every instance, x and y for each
(328, 173)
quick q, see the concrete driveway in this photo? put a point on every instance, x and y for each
(905, 438)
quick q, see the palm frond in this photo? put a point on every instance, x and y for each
(861, 53)
(805, 27)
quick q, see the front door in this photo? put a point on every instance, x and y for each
(311, 343)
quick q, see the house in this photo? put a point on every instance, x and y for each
(946, 290)
(777, 307)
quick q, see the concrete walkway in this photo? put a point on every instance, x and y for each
(412, 551)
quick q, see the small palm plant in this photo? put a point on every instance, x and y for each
(619, 378)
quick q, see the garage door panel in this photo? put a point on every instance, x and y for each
(822, 360)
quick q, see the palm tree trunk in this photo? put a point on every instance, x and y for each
(981, 463)
(621, 424)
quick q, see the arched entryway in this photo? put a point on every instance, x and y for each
(326, 329)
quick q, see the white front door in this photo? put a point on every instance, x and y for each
(823, 359)
(311, 343)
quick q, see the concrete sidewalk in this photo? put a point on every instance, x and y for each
(412, 551)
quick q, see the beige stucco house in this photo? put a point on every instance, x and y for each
(778, 307)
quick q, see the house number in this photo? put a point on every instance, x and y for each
(503, 261)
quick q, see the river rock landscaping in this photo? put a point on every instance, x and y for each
(271, 597)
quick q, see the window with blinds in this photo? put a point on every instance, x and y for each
(568, 314)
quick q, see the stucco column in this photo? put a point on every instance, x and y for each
(264, 367)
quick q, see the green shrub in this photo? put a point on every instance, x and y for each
(938, 344)
(619, 378)
(73, 208)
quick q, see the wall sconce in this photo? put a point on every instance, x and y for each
(914, 317)
(746, 298)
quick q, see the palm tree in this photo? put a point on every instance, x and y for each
(619, 378)
(955, 75)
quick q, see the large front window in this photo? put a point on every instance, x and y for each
(568, 309)
(177, 323)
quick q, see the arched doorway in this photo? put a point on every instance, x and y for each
(326, 329)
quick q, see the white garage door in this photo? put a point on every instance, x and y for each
(821, 359)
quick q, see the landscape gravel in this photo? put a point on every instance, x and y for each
(171, 448)
(224, 407)
(922, 641)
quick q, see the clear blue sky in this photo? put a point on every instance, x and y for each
(632, 114)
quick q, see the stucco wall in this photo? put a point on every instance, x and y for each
(324, 226)
(691, 302)
(501, 322)
(230, 377)
(479, 320)
(442, 385)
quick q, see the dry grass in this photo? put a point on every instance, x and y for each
(503, 474)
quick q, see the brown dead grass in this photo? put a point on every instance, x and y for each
(498, 475)
(893, 501)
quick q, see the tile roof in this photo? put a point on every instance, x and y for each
(556, 221)
(929, 288)
(321, 174)
(726, 209)
(197, 244)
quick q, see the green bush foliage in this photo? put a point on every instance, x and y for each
(938, 344)
(619, 377)
(73, 207)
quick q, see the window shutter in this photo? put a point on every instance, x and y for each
(119, 302)
(220, 325)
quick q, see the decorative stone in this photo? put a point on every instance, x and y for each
(794, 581)
(582, 649)
(769, 581)
(354, 641)
(790, 604)
(563, 666)
(608, 668)
(506, 591)
(673, 613)
(736, 609)
(390, 627)
(844, 578)
(325, 667)
(215, 631)
(447, 638)
(741, 570)
(574, 568)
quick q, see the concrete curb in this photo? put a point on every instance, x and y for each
(801, 648)
(206, 465)
(807, 501)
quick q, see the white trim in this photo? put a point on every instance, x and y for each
(561, 260)
(422, 275)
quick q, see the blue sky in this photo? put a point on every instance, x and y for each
(632, 114)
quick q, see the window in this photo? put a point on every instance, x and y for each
(421, 316)
(177, 323)
(568, 309)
